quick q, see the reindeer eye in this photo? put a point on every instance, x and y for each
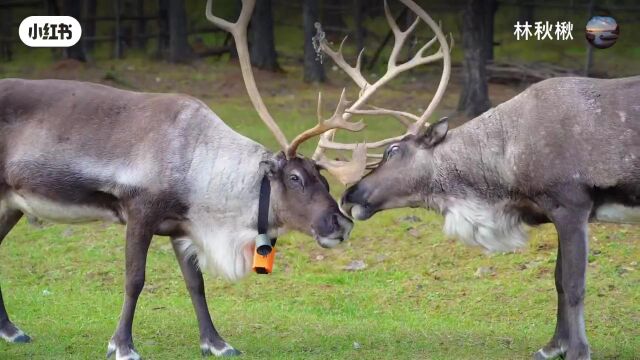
(294, 178)
(392, 150)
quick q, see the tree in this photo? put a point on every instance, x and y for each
(492, 6)
(89, 25)
(332, 20)
(261, 40)
(141, 26)
(527, 9)
(313, 69)
(359, 13)
(74, 8)
(179, 49)
(474, 98)
(163, 27)
(5, 27)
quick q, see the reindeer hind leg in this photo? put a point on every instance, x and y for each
(8, 331)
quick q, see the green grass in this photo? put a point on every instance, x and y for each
(418, 297)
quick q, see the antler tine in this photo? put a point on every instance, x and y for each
(402, 116)
(399, 35)
(347, 172)
(330, 144)
(445, 54)
(336, 121)
(338, 57)
(239, 32)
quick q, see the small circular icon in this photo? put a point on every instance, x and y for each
(602, 31)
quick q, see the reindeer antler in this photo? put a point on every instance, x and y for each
(413, 122)
(336, 121)
(239, 32)
(346, 171)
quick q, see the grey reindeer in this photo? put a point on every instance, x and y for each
(565, 151)
(163, 164)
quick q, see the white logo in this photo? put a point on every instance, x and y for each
(544, 30)
(50, 31)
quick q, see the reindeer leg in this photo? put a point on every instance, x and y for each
(211, 343)
(9, 332)
(571, 222)
(139, 234)
(560, 340)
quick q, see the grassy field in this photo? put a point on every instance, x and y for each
(420, 296)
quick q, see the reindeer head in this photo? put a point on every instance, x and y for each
(300, 193)
(395, 180)
(401, 179)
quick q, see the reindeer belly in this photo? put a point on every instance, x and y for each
(618, 213)
(56, 211)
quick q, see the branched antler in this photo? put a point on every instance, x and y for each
(347, 171)
(413, 122)
(336, 121)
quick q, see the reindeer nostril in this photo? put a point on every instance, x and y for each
(346, 198)
(335, 221)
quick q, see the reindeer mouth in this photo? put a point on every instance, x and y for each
(331, 240)
(357, 211)
(328, 243)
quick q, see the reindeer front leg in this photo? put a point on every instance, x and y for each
(571, 221)
(138, 238)
(558, 343)
(211, 343)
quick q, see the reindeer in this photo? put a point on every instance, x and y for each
(565, 151)
(163, 164)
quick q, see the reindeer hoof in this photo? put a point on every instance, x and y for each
(547, 355)
(22, 338)
(231, 352)
(10, 333)
(226, 351)
(121, 353)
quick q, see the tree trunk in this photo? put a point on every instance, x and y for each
(313, 69)
(589, 61)
(492, 6)
(89, 25)
(141, 26)
(5, 26)
(52, 8)
(262, 45)
(117, 49)
(526, 12)
(332, 15)
(179, 49)
(359, 12)
(127, 34)
(163, 28)
(74, 8)
(474, 98)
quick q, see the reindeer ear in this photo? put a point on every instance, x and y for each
(271, 167)
(435, 133)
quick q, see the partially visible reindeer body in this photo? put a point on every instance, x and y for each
(565, 135)
(162, 164)
(77, 152)
(566, 151)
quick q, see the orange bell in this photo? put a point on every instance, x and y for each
(264, 254)
(263, 264)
